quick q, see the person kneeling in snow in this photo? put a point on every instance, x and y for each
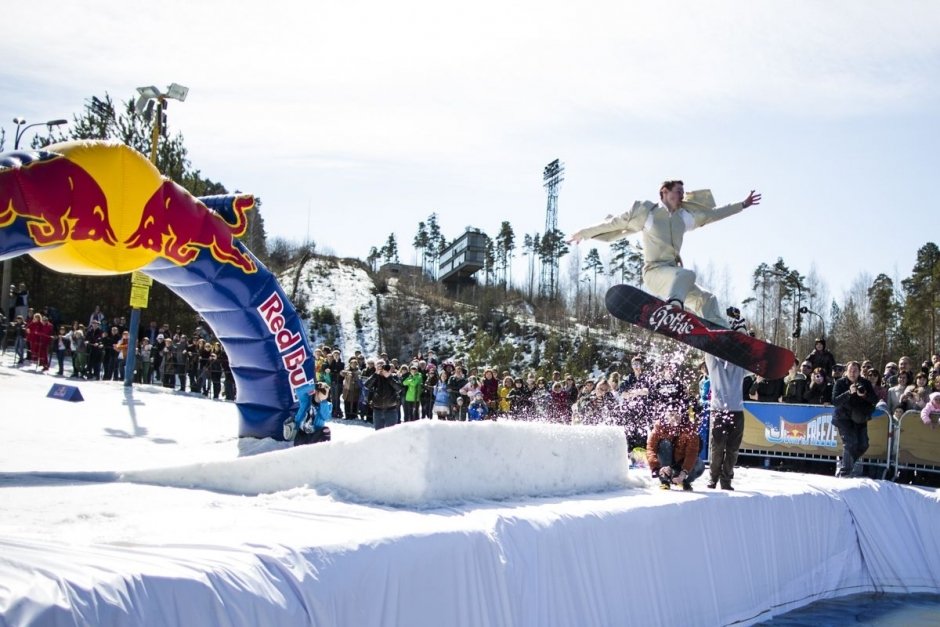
(314, 412)
(477, 410)
(672, 450)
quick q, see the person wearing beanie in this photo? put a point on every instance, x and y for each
(820, 357)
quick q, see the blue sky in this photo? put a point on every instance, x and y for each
(365, 117)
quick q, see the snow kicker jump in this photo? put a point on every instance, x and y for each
(101, 208)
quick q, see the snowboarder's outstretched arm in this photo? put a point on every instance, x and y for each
(616, 227)
(701, 205)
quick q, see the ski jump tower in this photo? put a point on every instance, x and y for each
(552, 177)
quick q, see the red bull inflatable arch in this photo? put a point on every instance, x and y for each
(101, 208)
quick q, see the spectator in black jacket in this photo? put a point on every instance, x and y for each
(819, 390)
(798, 384)
(854, 401)
(385, 393)
(820, 357)
(336, 366)
(767, 390)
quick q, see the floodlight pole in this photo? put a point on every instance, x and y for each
(177, 92)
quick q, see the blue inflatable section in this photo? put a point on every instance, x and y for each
(262, 334)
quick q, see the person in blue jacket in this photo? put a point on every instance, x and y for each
(314, 412)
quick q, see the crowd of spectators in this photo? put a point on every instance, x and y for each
(361, 388)
(98, 351)
(900, 386)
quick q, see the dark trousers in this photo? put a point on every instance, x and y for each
(854, 444)
(727, 432)
(336, 390)
(411, 411)
(318, 435)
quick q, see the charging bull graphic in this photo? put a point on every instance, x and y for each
(176, 224)
(58, 199)
(101, 208)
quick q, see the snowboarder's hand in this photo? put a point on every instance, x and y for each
(575, 239)
(752, 199)
(679, 478)
(665, 472)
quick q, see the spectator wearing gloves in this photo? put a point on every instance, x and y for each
(672, 450)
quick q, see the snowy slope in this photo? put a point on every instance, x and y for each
(80, 546)
(347, 290)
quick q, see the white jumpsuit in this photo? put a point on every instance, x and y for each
(662, 233)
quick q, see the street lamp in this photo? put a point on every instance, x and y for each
(7, 278)
(144, 106)
(20, 122)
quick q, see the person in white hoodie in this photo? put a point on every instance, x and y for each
(663, 226)
(726, 383)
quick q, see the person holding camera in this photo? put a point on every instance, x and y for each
(385, 392)
(314, 411)
(854, 401)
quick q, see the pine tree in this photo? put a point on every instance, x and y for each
(626, 262)
(505, 245)
(530, 249)
(489, 260)
(421, 242)
(883, 309)
(922, 297)
(436, 241)
(373, 256)
(593, 265)
(390, 249)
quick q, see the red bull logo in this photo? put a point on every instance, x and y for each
(176, 225)
(59, 200)
(290, 344)
(816, 432)
(97, 207)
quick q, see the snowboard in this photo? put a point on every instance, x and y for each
(635, 306)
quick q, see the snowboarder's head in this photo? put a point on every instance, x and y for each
(671, 193)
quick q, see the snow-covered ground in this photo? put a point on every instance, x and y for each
(142, 508)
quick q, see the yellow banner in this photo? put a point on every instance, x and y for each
(807, 430)
(918, 444)
(140, 296)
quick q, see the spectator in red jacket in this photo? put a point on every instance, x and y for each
(39, 335)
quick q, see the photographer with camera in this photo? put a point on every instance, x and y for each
(385, 393)
(854, 400)
(314, 411)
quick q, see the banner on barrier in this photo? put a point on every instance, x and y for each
(805, 429)
(918, 443)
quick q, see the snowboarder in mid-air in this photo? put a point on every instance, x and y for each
(663, 226)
